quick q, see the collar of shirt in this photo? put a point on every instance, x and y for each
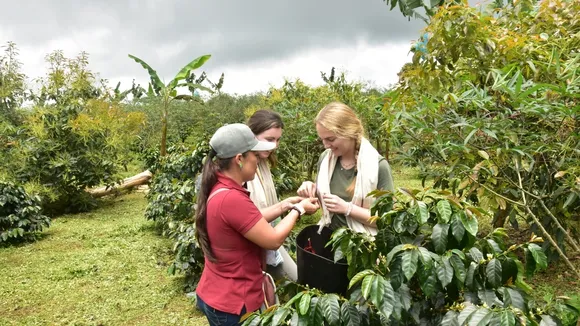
(227, 182)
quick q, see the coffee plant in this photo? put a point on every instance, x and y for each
(20, 214)
(490, 108)
(427, 265)
(171, 204)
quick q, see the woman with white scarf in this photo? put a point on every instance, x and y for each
(348, 170)
(267, 126)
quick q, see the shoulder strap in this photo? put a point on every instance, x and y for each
(215, 193)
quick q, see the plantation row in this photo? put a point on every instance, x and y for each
(487, 111)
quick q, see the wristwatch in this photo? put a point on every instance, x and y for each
(299, 209)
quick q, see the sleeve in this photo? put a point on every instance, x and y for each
(385, 176)
(240, 212)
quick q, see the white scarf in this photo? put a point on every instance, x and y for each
(367, 179)
(263, 194)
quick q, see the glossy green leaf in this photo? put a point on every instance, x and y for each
(450, 318)
(425, 257)
(469, 223)
(458, 267)
(367, 285)
(295, 298)
(444, 210)
(489, 298)
(423, 211)
(470, 276)
(349, 315)
(304, 304)
(539, 255)
(316, 314)
(466, 313)
(404, 296)
(514, 298)
(439, 237)
(410, 261)
(377, 290)
(480, 317)
(331, 309)
(429, 285)
(253, 320)
(280, 316)
(520, 283)
(299, 320)
(388, 301)
(359, 276)
(493, 245)
(392, 253)
(493, 272)
(476, 254)
(445, 272)
(338, 255)
(530, 263)
(457, 228)
(507, 318)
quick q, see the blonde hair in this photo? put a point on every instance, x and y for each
(340, 119)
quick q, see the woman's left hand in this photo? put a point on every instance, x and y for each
(293, 200)
(287, 203)
(335, 204)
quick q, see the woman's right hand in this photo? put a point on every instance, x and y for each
(310, 205)
(307, 189)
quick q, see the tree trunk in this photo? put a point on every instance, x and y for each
(163, 135)
(136, 180)
(500, 217)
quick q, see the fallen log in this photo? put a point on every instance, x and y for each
(136, 180)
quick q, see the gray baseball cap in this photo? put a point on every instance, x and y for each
(237, 138)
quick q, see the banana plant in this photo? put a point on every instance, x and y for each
(168, 92)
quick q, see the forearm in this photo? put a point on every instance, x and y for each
(272, 212)
(285, 226)
(361, 215)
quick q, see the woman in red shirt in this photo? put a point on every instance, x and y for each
(231, 230)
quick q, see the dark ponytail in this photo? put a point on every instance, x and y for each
(208, 181)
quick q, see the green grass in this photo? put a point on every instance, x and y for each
(106, 267)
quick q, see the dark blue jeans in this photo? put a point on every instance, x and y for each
(219, 318)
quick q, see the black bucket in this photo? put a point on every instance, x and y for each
(318, 269)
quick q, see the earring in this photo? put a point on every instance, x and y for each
(241, 165)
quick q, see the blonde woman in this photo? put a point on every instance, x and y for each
(348, 170)
(267, 126)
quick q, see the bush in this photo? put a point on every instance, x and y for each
(485, 112)
(171, 204)
(71, 148)
(20, 214)
(427, 265)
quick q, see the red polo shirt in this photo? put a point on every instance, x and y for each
(235, 279)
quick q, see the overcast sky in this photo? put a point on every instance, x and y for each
(256, 43)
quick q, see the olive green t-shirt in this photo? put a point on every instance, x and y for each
(341, 180)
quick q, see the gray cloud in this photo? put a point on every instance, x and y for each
(168, 34)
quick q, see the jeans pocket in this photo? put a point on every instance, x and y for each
(216, 317)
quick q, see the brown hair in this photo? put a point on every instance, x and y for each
(212, 165)
(340, 119)
(263, 120)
